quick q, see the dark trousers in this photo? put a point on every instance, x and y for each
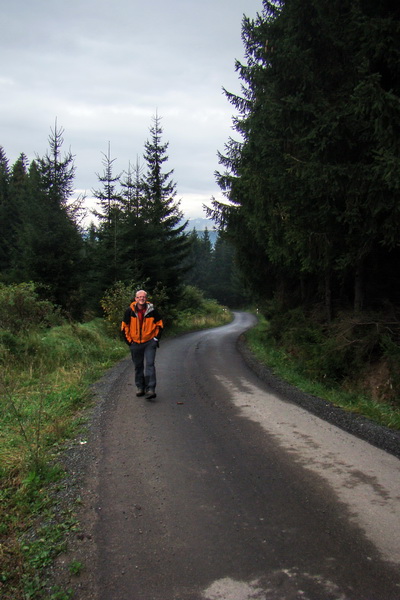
(143, 356)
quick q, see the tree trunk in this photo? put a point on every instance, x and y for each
(328, 297)
(359, 288)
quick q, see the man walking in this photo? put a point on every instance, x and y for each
(142, 328)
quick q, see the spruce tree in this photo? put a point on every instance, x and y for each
(108, 260)
(225, 281)
(136, 231)
(133, 198)
(19, 221)
(164, 259)
(312, 184)
(5, 214)
(57, 171)
(57, 247)
(4, 175)
(199, 261)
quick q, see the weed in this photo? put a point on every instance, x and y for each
(75, 567)
(59, 594)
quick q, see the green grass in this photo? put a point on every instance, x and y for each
(291, 369)
(211, 315)
(44, 388)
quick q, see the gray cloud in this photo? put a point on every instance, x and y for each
(103, 69)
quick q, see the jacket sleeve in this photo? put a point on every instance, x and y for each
(125, 326)
(159, 323)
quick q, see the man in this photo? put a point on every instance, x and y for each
(142, 328)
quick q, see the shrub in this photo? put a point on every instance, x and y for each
(115, 301)
(339, 351)
(192, 300)
(391, 350)
(21, 309)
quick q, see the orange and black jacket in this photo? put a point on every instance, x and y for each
(150, 328)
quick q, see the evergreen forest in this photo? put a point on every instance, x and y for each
(307, 238)
(139, 235)
(312, 182)
(308, 232)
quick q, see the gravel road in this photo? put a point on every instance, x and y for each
(231, 485)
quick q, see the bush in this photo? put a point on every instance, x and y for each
(21, 309)
(9, 343)
(339, 351)
(12, 346)
(192, 300)
(116, 300)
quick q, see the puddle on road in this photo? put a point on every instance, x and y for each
(234, 590)
(285, 584)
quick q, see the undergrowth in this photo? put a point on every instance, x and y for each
(195, 312)
(44, 388)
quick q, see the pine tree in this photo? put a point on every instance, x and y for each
(166, 237)
(312, 185)
(199, 261)
(133, 197)
(225, 281)
(4, 175)
(110, 215)
(108, 195)
(5, 214)
(56, 259)
(252, 219)
(18, 221)
(57, 172)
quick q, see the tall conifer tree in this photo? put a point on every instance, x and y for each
(19, 221)
(164, 218)
(4, 214)
(312, 185)
(57, 247)
(108, 259)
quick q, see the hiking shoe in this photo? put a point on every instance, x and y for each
(139, 392)
(150, 394)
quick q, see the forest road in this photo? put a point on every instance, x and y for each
(219, 489)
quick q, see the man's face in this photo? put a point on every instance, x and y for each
(141, 298)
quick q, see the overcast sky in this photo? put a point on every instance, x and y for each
(104, 68)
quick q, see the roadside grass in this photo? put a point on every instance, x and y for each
(211, 314)
(45, 390)
(294, 371)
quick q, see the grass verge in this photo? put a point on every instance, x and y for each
(290, 369)
(44, 391)
(211, 314)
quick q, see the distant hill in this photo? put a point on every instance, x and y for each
(200, 225)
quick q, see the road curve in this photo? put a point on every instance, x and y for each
(222, 490)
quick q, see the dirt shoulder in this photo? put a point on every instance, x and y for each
(79, 492)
